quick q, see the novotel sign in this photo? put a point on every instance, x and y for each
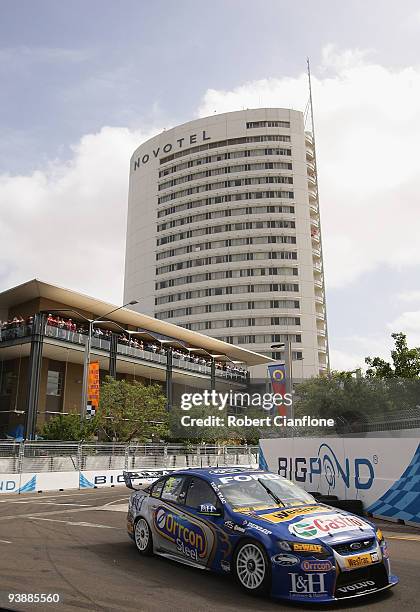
(168, 147)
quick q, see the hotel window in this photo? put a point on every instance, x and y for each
(262, 124)
(54, 383)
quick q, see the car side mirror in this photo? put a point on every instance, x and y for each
(209, 510)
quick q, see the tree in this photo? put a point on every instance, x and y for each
(405, 361)
(68, 427)
(340, 396)
(130, 410)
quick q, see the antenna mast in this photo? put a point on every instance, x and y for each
(317, 201)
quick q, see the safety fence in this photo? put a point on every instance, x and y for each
(25, 457)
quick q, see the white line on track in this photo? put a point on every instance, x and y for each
(410, 537)
(9, 517)
(116, 501)
(75, 523)
(5, 541)
(37, 503)
(40, 496)
(116, 508)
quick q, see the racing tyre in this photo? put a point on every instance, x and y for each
(251, 568)
(143, 537)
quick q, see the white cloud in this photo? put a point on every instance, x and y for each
(341, 360)
(66, 224)
(409, 296)
(354, 349)
(368, 132)
(409, 323)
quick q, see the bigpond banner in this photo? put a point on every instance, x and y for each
(384, 473)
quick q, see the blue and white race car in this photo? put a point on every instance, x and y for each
(272, 536)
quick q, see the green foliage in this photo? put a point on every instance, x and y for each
(68, 427)
(130, 411)
(405, 361)
(341, 397)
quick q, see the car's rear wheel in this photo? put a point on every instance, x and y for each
(251, 567)
(143, 537)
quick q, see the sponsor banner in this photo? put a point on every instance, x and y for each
(87, 479)
(331, 524)
(189, 537)
(378, 471)
(285, 559)
(17, 483)
(316, 565)
(310, 586)
(307, 548)
(41, 481)
(93, 384)
(281, 516)
(361, 560)
(357, 587)
(54, 481)
(91, 479)
(277, 374)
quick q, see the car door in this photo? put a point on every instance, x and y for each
(166, 502)
(200, 505)
(180, 531)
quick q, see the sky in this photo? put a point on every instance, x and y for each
(84, 83)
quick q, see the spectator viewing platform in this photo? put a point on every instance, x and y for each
(43, 333)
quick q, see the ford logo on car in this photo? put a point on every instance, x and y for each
(284, 559)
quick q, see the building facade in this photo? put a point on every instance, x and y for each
(43, 335)
(223, 233)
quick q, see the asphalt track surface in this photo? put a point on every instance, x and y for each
(75, 544)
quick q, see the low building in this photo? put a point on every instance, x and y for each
(43, 338)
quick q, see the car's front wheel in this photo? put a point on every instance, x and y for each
(251, 567)
(143, 537)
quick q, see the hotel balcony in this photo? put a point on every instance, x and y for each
(309, 138)
(43, 356)
(146, 358)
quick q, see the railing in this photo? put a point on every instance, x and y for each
(14, 332)
(75, 337)
(149, 355)
(28, 457)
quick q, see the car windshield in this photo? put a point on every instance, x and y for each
(252, 491)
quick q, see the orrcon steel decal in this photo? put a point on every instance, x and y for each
(189, 537)
(312, 528)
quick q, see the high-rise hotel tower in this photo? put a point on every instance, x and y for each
(223, 233)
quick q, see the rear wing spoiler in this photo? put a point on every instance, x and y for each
(143, 478)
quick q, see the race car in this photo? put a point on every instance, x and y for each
(271, 535)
